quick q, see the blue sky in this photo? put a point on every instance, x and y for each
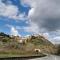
(26, 17)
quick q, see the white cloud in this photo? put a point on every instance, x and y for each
(11, 11)
(8, 10)
(13, 30)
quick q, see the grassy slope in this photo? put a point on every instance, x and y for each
(11, 48)
(42, 43)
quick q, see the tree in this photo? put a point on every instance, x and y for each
(3, 34)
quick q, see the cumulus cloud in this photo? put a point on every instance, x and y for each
(13, 30)
(45, 14)
(11, 11)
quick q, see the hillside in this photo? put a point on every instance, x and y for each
(15, 45)
(58, 49)
(42, 43)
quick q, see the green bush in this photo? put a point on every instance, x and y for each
(5, 40)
